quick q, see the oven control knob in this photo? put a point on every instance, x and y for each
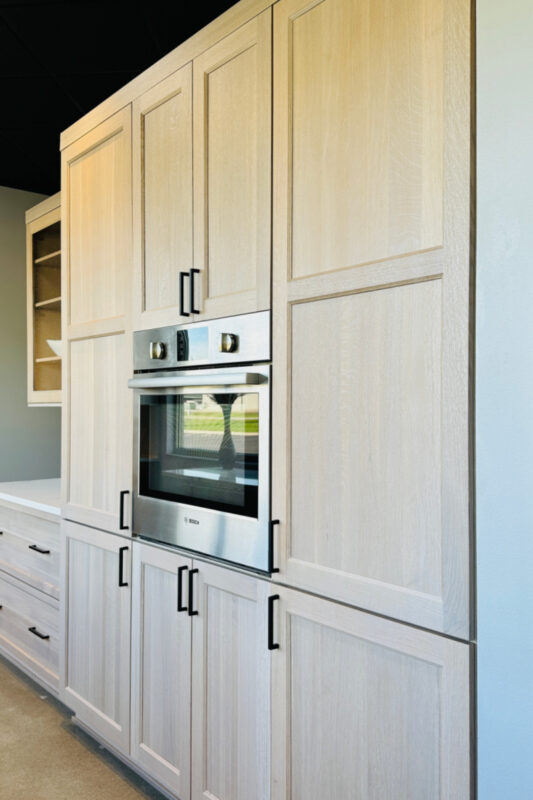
(229, 343)
(158, 350)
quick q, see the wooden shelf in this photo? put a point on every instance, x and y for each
(54, 304)
(49, 257)
(47, 360)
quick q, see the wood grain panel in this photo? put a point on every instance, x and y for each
(232, 108)
(163, 201)
(97, 195)
(366, 708)
(231, 688)
(366, 131)
(100, 424)
(161, 669)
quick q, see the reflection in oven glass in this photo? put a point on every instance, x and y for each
(201, 449)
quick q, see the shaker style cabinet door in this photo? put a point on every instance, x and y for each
(161, 667)
(371, 305)
(365, 708)
(230, 686)
(95, 670)
(163, 202)
(232, 173)
(97, 228)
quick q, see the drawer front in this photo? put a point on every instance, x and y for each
(20, 611)
(29, 550)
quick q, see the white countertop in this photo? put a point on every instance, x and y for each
(43, 495)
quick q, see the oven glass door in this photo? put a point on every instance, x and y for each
(201, 447)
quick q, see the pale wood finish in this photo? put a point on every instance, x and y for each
(22, 608)
(231, 687)
(366, 708)
(371, 192)
(98, 430)
(95, 667)
(232, 173)
(223, 25)
(161, 669)
(97, 229)
(19, 530)
(43, 281)
(162, 198)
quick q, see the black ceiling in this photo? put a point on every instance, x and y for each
(60, 59)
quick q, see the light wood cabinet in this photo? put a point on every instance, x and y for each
(96, 604)
(43, 278)
(161, 667)
(230, 687)
(202, 213)
(366, 708)
(371, 369)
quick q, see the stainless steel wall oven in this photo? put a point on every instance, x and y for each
(202, 437)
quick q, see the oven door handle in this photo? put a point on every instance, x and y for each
(214, 379)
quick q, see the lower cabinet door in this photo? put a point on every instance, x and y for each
(161, 667)
(230, 686)
(365, 708)
(95, 674)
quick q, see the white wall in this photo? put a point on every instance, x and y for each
(29, 437)
(504, 404)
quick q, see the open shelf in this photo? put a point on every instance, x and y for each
(54, 304)
(49, 257)
(47, 360)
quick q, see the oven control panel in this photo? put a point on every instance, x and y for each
(232, 340)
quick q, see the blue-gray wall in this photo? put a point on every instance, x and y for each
(504, 405)
(29, 437)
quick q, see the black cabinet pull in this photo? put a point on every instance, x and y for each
(181, 570)
(271, 567)
(272, 645)
(121, 525)
(38, 633)
(192, 573)
(121, 581)
(193, 273)
(183, 275)
(38, 549)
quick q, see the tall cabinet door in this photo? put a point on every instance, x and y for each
(161, 667)
(162, 200)
(95, 668)
(371, 304)
(230, 687)
(97, 362)
(232, 177)
(366, 708)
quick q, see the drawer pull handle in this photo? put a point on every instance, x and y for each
(121, 551)
(38, 633)
(272, 645)
(190, 611)
(38, 549)
(181, 570)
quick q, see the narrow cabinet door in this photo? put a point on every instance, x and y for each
(96, 603)
(232, 178)
(98, 441)
(161, 667)
(163, 201)
(366, 708)
(231, 686)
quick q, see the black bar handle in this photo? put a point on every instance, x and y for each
(183, 275)
(191, 593)
(272, 645)
(181, 570)
(121, 525)
(38, 549)
(121, 551)
(193, 272)
(38, 633)
(271, 567)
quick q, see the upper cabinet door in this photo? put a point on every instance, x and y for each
(232, 177)
(162, 199)
(97, 228)
(372, 309)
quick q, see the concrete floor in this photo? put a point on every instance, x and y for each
(44, 756)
